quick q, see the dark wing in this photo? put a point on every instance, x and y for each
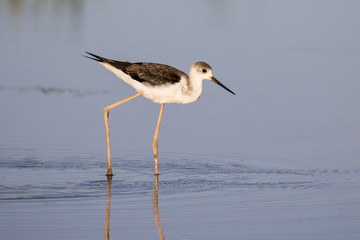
(117, 64)
(151, 73)
(154, 73)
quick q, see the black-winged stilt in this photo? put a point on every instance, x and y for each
(161, 84)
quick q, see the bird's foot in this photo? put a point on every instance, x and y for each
(109, 172)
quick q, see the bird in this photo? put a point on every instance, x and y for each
(158, 82)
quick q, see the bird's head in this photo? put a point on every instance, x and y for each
(203, 71)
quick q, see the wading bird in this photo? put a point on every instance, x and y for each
(161, 84)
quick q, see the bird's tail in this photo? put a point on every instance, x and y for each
(95, 57)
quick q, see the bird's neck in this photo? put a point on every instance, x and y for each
(192, 88)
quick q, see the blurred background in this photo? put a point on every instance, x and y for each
(293, 65)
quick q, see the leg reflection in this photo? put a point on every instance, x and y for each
(107, 220)
(156, 208)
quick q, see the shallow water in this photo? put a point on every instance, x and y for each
(195, 197)
(280, 160)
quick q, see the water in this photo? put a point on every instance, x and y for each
(280, 160)
(195, 197)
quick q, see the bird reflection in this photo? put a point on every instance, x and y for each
(107, 220)
(156, 208)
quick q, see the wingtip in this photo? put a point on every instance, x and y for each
(94, 57)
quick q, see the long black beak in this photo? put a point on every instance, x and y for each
(219, 83)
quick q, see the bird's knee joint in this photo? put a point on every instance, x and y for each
(106, 111)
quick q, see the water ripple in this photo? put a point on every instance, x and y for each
(30, 177)
(53, 90)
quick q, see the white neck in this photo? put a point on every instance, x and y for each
(193, 87)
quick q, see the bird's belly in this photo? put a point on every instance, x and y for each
(169, 94)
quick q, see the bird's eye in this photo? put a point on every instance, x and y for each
(204, 70)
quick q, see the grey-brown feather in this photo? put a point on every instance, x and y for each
(150, 73)
(154, 73)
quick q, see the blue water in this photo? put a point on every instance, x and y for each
(280, 160)
(197, 197)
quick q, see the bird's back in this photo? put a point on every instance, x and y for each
(154, 74)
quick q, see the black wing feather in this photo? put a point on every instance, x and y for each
(151, 73)
(154, 73)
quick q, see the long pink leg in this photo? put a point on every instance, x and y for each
(155, 143)
(106, 117)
